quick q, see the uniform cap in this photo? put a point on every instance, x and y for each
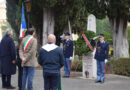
(67, 34)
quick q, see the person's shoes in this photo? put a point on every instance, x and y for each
(4, 87)
(97, 81)
(10, 87)
(102, 82)
(20, 88)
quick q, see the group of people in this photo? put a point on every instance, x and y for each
(24, 56)
(51, 57)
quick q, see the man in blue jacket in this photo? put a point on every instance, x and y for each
(51, 58)
(102, 49)
(68, 53)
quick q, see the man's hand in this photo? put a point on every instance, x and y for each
(13, 61)
(23, 60)
(71, 58)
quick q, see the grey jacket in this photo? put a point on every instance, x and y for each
(30, 54)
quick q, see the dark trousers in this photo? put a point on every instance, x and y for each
(51, 81)
(6, 80)
(20, 73)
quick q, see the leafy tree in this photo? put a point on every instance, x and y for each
(14, 15)
(129, 37)
(103, 26)
(129, 33)
(63, 10)
(118, 12)
(11, 13)
(75, 11)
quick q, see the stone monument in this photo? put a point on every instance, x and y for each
(89, 63)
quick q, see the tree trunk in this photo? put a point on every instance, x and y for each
(66, 28)
(120, 41)
(48, 24)
(39, 38)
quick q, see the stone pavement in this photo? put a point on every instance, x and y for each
(113, 82)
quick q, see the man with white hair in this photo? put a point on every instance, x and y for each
(51, 58)
(7, 57)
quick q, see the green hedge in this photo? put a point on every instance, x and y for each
(119, 66)
(74, 64)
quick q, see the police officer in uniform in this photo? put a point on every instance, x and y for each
(101, 55)
(68, 53)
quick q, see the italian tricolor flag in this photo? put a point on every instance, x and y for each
(23, 24)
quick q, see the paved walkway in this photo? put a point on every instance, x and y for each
(113, 82)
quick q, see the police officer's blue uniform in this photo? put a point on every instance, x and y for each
(68, 52)
(102, 49)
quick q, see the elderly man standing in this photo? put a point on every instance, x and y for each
(27, 51)
(51, 58)
(7, 57)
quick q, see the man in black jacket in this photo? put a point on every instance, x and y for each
(51, 58)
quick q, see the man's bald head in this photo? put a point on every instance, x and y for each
(51, 38)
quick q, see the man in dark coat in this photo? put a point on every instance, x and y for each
(7, 57)
(102, 49)
(51, 58)
(68, 53)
